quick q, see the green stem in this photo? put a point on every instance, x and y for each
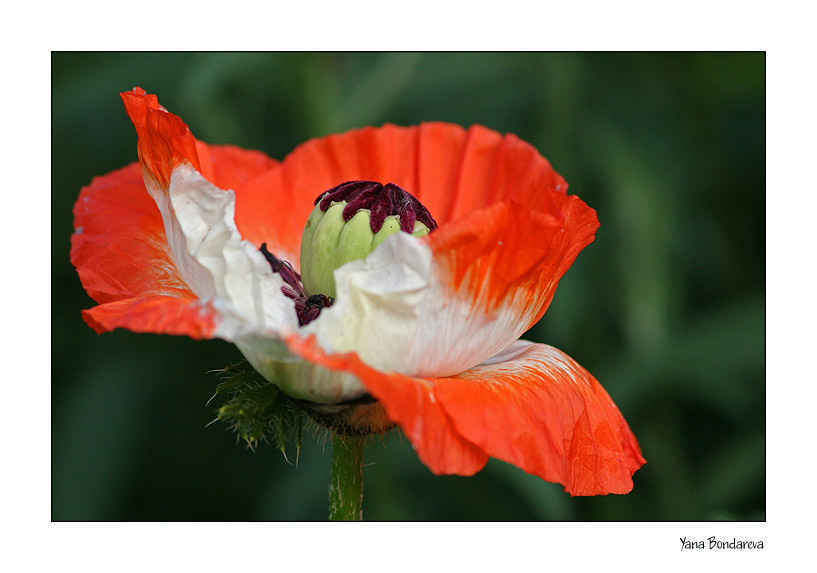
(346, 488)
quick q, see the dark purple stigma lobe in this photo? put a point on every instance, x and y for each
(381, 200)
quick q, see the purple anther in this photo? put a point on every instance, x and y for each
(381, 200)
(307, 308)
(292, 280)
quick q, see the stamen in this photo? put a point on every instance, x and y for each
(381, 200)
(307, 308)
(293, 287)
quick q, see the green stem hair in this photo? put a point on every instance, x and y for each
(346, 487)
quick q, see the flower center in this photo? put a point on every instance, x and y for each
(349, 221)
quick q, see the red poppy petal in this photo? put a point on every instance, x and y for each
(438, 163)
(164, 139)
(229, 167)
(166, 142)
(471, 189)
(119, 247)
(174, 165)
(122, 258)
(514, 231)
(157, 314)
(508, 259)
(411, 403)
(535, 407)
(531, 406)
(265, 212)
(273, 207)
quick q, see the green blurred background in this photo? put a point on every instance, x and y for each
(666, 307)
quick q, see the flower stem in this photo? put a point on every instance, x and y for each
(346, 487)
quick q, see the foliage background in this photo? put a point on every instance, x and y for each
(666, 307)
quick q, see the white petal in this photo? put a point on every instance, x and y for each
(239, 277)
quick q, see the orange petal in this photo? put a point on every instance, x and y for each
(531, 406)
(157, 314)
(273, 208)
(450, 170)
(513, 232)
(119, 247)
(165, 142)
(410, 402)
(535, 407)
(164, 139)
(121, 254)
(229, 167)
(509, 258)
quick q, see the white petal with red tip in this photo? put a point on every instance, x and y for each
(393, 310)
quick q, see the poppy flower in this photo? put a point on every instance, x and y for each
(186, 242)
